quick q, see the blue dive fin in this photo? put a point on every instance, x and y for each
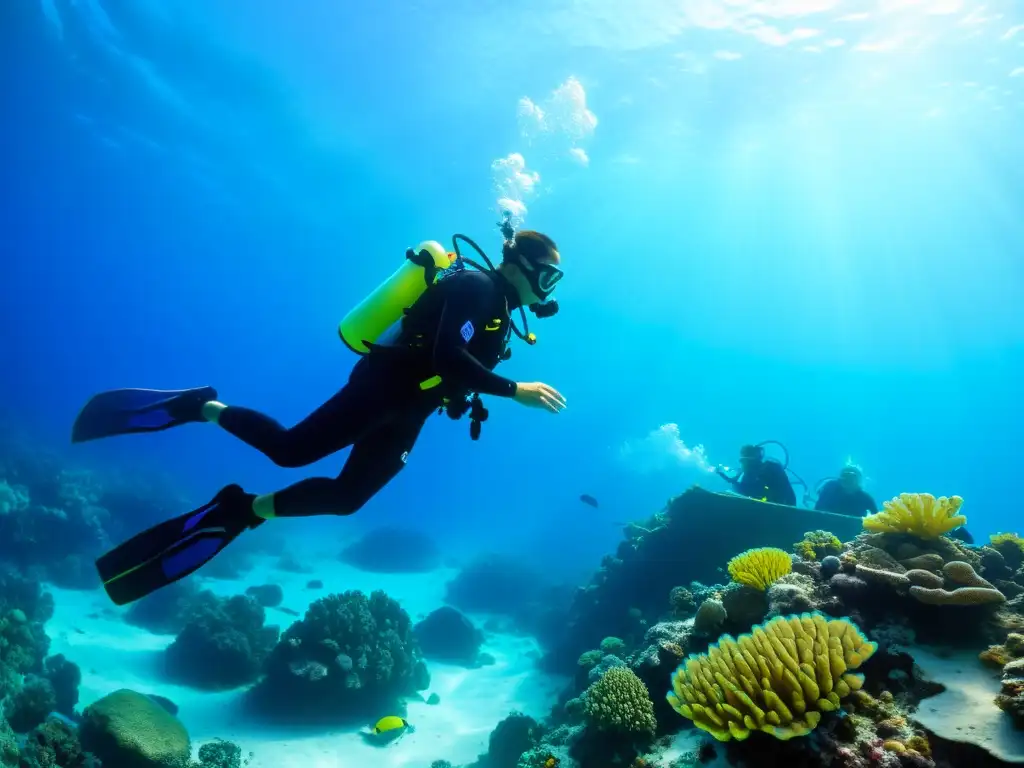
(124, 411)
(175, 548)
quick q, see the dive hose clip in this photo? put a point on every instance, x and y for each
(478, 414)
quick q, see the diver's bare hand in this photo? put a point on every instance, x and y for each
(539, 395)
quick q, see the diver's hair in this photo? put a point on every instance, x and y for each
(752, 452)
(531, 245)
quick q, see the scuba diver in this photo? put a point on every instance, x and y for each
(761, 478)
(430, 337)
(845, 495)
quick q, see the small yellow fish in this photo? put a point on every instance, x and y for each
(388, 724)
(551, 762)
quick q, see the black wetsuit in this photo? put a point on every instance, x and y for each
(834, 498)
(458, 330)
(767, 480)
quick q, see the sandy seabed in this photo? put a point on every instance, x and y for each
(88, 630)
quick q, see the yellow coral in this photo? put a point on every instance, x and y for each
(817, 545)
(1007, 538)
(760, 568)
(919, 514)
(778, 679)
(920, 745)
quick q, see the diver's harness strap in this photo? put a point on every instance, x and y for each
(457, 407)
(426, 261)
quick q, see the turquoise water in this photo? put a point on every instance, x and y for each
(795, 220)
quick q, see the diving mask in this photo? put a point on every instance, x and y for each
(542, 277)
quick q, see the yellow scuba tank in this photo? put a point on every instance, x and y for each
(383, 308)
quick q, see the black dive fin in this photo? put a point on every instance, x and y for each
(173, 549)
(124, 411)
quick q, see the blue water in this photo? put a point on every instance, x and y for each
(794, 223)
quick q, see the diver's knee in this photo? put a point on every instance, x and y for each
(290, 454)
(345, 501)
(289, 460)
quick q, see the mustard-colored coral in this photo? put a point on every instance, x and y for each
(817, 545)
(919, 514)
(1007, 538)
(619, 701)
(778, 679)
(760, 568)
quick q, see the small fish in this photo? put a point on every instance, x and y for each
(551, 762)
(390, 723)
(589, 500)
(289, 611)
(387, 731)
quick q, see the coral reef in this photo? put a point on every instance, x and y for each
(129, 730)
(778, 679)
(760, 568)
(919, 514)
(65, 677)
(817, 545)
(619, 701)
(710, 617)
(221, 754)
(393, 550)
(31, 704)
(24, 609)
(167, 611)
(223, 645)
(824, 660)
(55, 519)
(267, 595)
(681, 603)
(54, 744)
(1011, 547)
(507, 588)
(513, 736)
(447, 635)
(350, 656)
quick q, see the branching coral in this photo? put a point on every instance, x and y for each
(349, 656)
(222, 754)
(222, 646)
(778, 679)
(817, 545)
(761, 567)
(919, 514)
(619, 701)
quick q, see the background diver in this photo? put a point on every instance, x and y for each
(420, 356)
(761, 478)
(845, 495)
